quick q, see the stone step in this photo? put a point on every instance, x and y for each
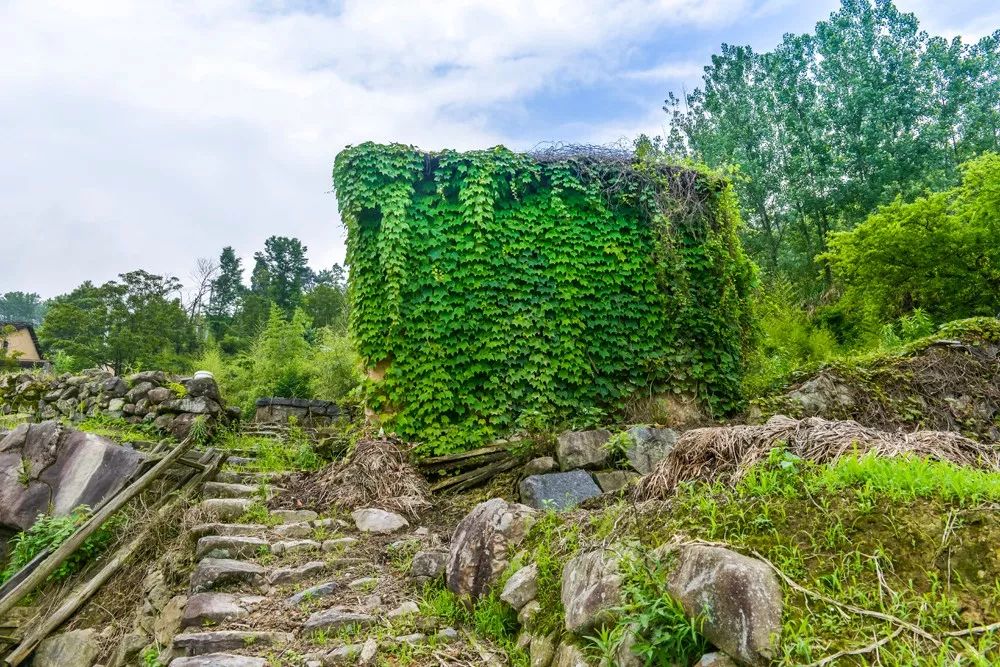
(200, 643)
(295, 516)
(313, 593)
(225, 509)
(336, 618)
(230, 529)
(213, 573)
(293, 575)
(226, 490)
(252, 478)
(300, 530)
(219, 660)
(235, 547)
(240, 460)
(216, 608)
(294, 547)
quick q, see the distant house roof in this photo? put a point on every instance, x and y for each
(22, 326)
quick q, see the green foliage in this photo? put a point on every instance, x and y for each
(48, 532)
(21, 307)
(830, 125)
(8, 360)
(938, 254)
(137, 321)
(335, 366)
(499, 286)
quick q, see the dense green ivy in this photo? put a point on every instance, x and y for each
(505, 291)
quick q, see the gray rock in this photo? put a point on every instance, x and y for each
(521, 588)
(649, 446)
(180, 426)
(481, 543)
(116, 405)
(541, 650)
(204, 386)
(242, 529)
(363, 583)
(219, 660)
(529, 612)
(201, 405)
(299, 530)
(333, 619)
(223, 490)
(214, 608)
(158, 395)
(294, 546)
(614, 480)
(338, 544)
(715, 660)
(168, 622)
(313, 593)
(741, 595)
(47, 467)
(225, 509)
(582, 449)
(539, 466)
(408, 608)
(77, 648)
(558, 490)
(114, 387)
(294, 516)
(220, 546)
(213, 573)
(138, 391)
(570, 655)
(200, 643)
(368, 651)
(151, 377)
(373, 520)
(591, 589)
(823, 396)
(292, 575)
(428, 566)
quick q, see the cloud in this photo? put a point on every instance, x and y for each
(669, 71)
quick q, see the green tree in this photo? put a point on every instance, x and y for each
(939, 254)
(227, 293)
(830, 125)
(21, 307)
(282, 272)
(326, 302)
(135, 321)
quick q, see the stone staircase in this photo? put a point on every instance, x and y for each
(292, 587)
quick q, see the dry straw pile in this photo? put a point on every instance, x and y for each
(378, 474)
(708, 454)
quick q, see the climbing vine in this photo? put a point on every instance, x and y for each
(502, 289)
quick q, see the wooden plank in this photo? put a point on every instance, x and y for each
(472, 453)
(478, 473)
(85, 591)
(89, 527)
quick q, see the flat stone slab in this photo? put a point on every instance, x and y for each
(213, 573)
(313, 593)
(200, 643)
(223, 546)
(228, 490)
(295, 531)
(333, 619)
(614, 480)
(294, 547)
(294, 516)
(215, 608)
(582, 449)
(558, 490)
(225, 509)
(219, 660)
(374, 520)
(240, 529)
(292, 575)
(338, 544)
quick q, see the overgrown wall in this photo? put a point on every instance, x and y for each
(507, 291)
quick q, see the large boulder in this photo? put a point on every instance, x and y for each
(199, 405)
(481, 544)
(649, 445)
(583, 449)
(203, 385)
(591, 590)
(558, 490)
(47, 466)
(738, 598)
(78, 648)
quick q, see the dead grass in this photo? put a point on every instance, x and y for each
(726, 453)
(378, 474)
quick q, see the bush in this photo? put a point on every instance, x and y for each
(938, 253)
(336, 367)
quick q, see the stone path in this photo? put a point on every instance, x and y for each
(295, 588)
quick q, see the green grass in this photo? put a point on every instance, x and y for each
(119, 429)
(295, 453)
(48, 532)
(908, 537)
